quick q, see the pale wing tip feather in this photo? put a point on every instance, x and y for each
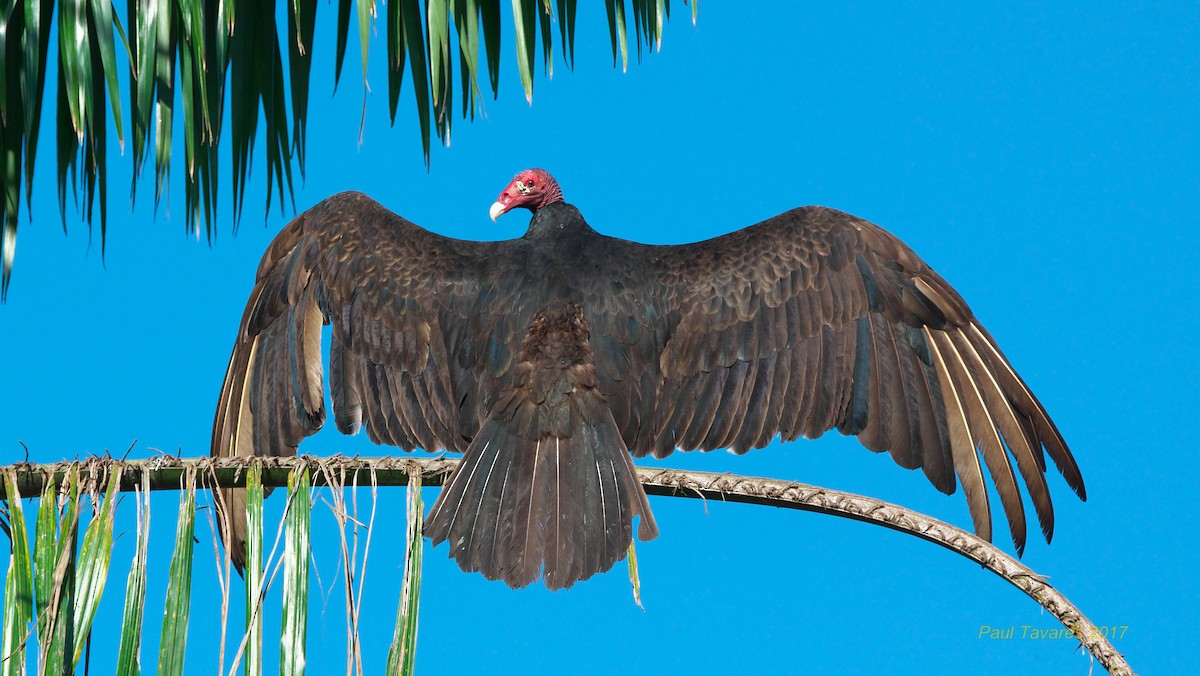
(1052, 440)
(986, 436)
(965, 458)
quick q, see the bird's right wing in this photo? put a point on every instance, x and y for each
(816, 319)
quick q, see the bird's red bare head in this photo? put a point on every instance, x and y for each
(531, 189)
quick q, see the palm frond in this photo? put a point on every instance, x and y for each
(341, 476)
(254, 571)
(295, 574)
(197, 39)
(18, 588)
(179, 589)
(92, 569)
(129, 657)
(403, 651)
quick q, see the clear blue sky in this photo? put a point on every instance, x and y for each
(1043, 159)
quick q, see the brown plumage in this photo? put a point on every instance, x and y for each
(548, 359)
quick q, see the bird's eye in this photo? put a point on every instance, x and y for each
(531, 183)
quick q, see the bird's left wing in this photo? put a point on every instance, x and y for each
(400, 299)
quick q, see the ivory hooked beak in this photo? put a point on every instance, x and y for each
(496, 210)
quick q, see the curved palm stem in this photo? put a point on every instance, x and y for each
(164, 474)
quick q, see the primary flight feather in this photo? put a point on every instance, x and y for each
(547, 360)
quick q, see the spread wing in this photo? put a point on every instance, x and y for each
(814, 320)
(400, 299)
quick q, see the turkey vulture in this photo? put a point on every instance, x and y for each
(547, 360)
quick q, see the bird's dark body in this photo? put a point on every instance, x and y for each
(548, 359)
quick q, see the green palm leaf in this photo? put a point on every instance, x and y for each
(179, 588)
(208, 41)
(18, 586)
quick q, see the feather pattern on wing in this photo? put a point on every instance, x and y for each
(870, 341)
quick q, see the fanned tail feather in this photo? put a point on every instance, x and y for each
(559, 507)
(547, 486)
